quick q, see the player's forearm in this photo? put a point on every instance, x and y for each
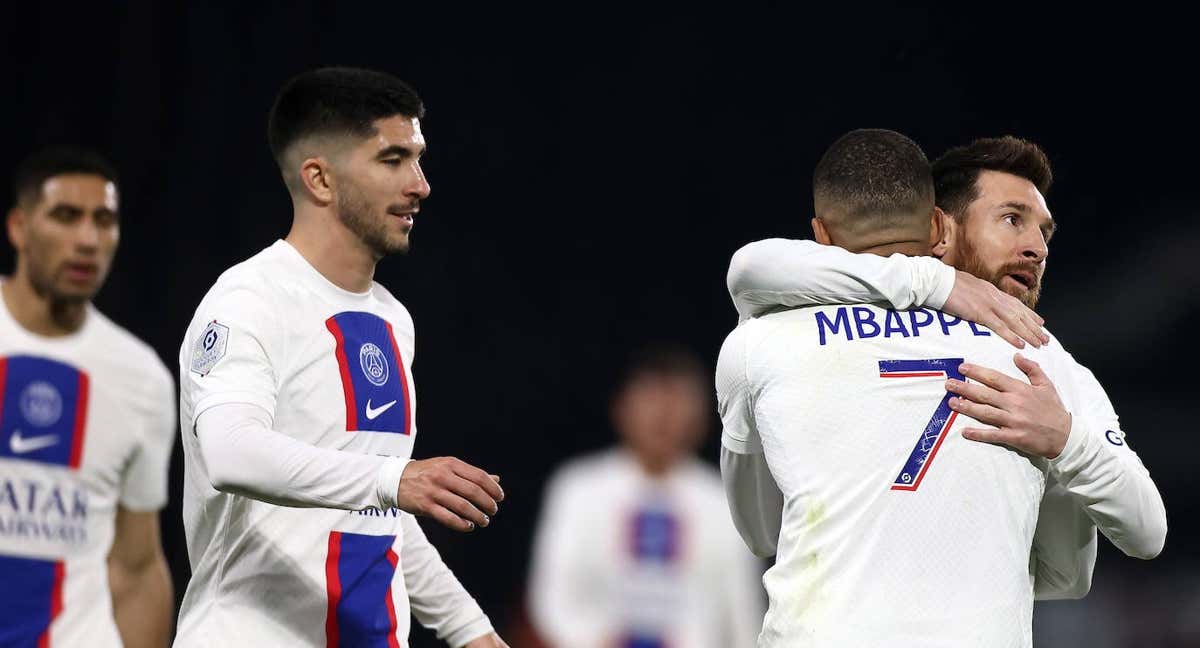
(1118, 495)
(245, 457)
(142, 602)
(782, 272)
(755, 502)
(437, 598)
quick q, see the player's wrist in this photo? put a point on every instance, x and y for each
(387, 482)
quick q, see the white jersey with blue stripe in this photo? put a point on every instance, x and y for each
(333, 369)
(896, 530)
(87, 422)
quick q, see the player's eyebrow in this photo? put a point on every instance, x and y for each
(1015, 204)
(398, 151)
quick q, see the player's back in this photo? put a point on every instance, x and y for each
(896, 530)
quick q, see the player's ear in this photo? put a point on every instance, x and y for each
(937, 227)
(820, 233)
(15, 224)
(317, 180)
(946, 225)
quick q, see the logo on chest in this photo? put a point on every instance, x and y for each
(43, 410)
(376, 387)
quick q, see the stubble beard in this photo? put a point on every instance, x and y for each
(973, 264)
(358, 215)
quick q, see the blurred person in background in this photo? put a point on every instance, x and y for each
(635, 547)
(299, 408)
(87, 422)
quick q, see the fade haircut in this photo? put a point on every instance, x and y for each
(873, 180)
(336, 101)
(955, 172)
(39, 167)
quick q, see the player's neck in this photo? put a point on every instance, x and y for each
(334, 252)
(907, 248)
(39, 314)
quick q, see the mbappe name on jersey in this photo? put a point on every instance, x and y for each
(861, 323)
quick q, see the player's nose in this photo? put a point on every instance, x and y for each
(418, 187)
(1034, 246)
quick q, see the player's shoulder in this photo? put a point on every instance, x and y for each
(395, 310)
(134, 354)
(248, 288)
(588, 472)
(703, 478)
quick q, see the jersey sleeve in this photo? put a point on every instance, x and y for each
(1104, 475)
(1064, 547)
(754, 499)
(791, 273)
(437, 598)
(243, 455)
(232, 353)
(144, 480)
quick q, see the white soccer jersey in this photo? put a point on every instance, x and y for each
(87, 422)
(625, 561)
(1096, 482)
(896, 530)
(333, 369)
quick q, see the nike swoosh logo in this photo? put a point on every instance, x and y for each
(373, 414)
(23, 445)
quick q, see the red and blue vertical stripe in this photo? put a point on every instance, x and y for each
(379, 401)
(358, 578)
(66, 427)
(57, 395)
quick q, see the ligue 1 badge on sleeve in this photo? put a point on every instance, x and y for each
(209, 347)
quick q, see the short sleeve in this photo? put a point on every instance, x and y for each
(734, 400)
(230, 353)
(144, 481)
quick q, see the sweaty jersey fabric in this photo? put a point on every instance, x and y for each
(622, 559)
(332, 369)
(87, 422)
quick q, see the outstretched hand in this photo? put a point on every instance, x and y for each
(450, 491)
(1027, 417)
(976, 300)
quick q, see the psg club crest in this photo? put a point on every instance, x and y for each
(41, 404)
(209, 348)
(374, 364)
(376, 386)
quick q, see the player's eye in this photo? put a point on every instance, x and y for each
(64, 214)
(105, 218)
(392, 162)
(1012, 219)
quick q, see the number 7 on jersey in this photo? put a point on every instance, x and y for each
(935, 431)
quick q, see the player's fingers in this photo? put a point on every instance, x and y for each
(462, 508)
(496, 478)
(989, 377)
(1000, 328)
(986, 435)
(449, 520)
(1022, 324)
(974, 392)
(1037, 377)
(980, 412)
(479, 478)
(475, 495)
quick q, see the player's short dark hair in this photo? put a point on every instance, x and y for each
(46, 163)
(872, 179)
(955, 172)
(336, 101)
(665, 360)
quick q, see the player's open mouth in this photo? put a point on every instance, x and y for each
(1024, 278)
(407, 215)
(81, 271)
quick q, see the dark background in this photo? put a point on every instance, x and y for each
(592, 172)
